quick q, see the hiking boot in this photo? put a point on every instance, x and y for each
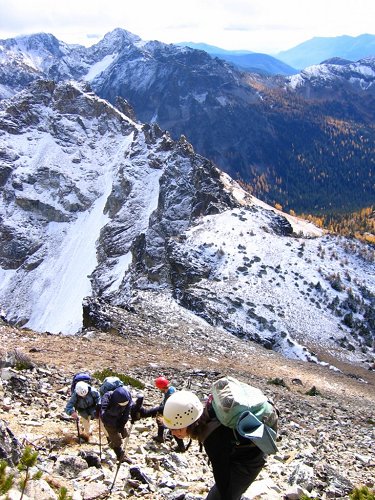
(126, 459)
(85, 437)
(121, 457)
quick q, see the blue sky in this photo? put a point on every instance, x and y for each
(259, 25)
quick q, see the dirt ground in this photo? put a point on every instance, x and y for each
(108, 350)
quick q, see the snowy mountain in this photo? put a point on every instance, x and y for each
(318, 49)
(274, 133)
(97, 209)
(335, 75)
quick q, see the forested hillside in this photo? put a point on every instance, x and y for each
(322, 159)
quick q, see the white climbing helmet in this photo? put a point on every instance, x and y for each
(181, 409)
(82, 389)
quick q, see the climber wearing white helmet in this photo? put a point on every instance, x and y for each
(235, 461)
(84, 401)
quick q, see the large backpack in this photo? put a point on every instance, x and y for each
(110, 384)
(247, 410)
(80, 377)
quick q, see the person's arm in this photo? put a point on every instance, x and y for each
(150, 412)
(70, 405)
(123, 418)
(105, 404)
(95, 396)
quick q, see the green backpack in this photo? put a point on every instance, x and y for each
(247, 410)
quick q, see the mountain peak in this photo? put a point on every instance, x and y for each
(120, 36)
(339, 61)
(39, 41)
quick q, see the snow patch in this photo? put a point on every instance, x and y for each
(98, 68)
(118, 271)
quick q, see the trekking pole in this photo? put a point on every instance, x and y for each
(114, 479)
(100, 441)
(119, 462)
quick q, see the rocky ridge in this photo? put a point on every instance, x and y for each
(325, 446)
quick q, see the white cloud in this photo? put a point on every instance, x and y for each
(259, 25)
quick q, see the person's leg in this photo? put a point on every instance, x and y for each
(86, 425)
(243, 474)
(104, 430)
(214, 494)
(180, 445)
(114, 437)
(159, 438)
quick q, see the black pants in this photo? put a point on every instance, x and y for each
(242, 474)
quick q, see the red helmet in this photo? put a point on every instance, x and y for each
(161, 383)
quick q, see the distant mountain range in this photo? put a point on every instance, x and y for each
(319, 49)
(305, 141)
(245, 60)
(291, 61)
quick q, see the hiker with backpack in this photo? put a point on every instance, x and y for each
(84, 402)
(167, 389)
(116, 408)
(235, 459)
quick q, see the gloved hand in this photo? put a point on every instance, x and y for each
(136, 409)
(135, 414)
(74, 415)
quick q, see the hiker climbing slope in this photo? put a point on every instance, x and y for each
(167, 390)
(235, 460)
(114, 413)
(83, 402)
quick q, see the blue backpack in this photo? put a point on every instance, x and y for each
(247, 410)
(110, 384)
(80, 377)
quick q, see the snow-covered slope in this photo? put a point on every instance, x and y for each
(96, 208)
(80, 183)
(335, 73)
(287, 292)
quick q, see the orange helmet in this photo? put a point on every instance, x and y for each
(161, 383)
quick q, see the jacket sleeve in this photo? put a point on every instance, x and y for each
(96, 397)
(70, 405)
(104, 405)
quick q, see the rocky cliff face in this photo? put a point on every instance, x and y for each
(72, 161)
